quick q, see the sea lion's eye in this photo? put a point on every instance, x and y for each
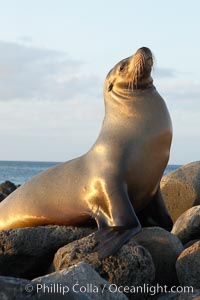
(110, 87)
(122, 67)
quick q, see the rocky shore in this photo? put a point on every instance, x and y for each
(58, 262)
(6, 188)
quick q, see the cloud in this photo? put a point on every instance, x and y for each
(164, 73)
(182, 96)
(182, 90)
(31, 73)
(46, 99)
(25, 39)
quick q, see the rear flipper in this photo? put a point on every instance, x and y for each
(111, 239)
(156, 214)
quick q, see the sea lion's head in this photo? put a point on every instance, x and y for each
(130, 74)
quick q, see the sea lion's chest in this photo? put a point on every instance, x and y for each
(145, 166)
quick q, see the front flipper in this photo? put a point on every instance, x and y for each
(111, 239)
(156, 214)
(116, 219)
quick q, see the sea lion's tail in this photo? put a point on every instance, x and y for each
(111, 239)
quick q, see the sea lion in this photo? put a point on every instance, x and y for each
(119, 176)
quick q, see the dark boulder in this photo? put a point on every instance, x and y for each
(6, 188)
(187, 226)
(28, 252)
(132, 265)
(164, 248)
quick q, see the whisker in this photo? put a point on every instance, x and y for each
(139, 66)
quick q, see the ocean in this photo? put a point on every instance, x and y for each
(19, 172)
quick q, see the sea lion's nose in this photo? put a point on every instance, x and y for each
(145, 49)
(145, 54)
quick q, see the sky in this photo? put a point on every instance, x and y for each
(55, 55)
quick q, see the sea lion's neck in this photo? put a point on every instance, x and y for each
(124, 104)
(121, 113)
(128, 94)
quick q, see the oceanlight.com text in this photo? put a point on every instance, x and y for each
(59, 288)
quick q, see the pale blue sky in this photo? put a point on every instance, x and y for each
(54, 56)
